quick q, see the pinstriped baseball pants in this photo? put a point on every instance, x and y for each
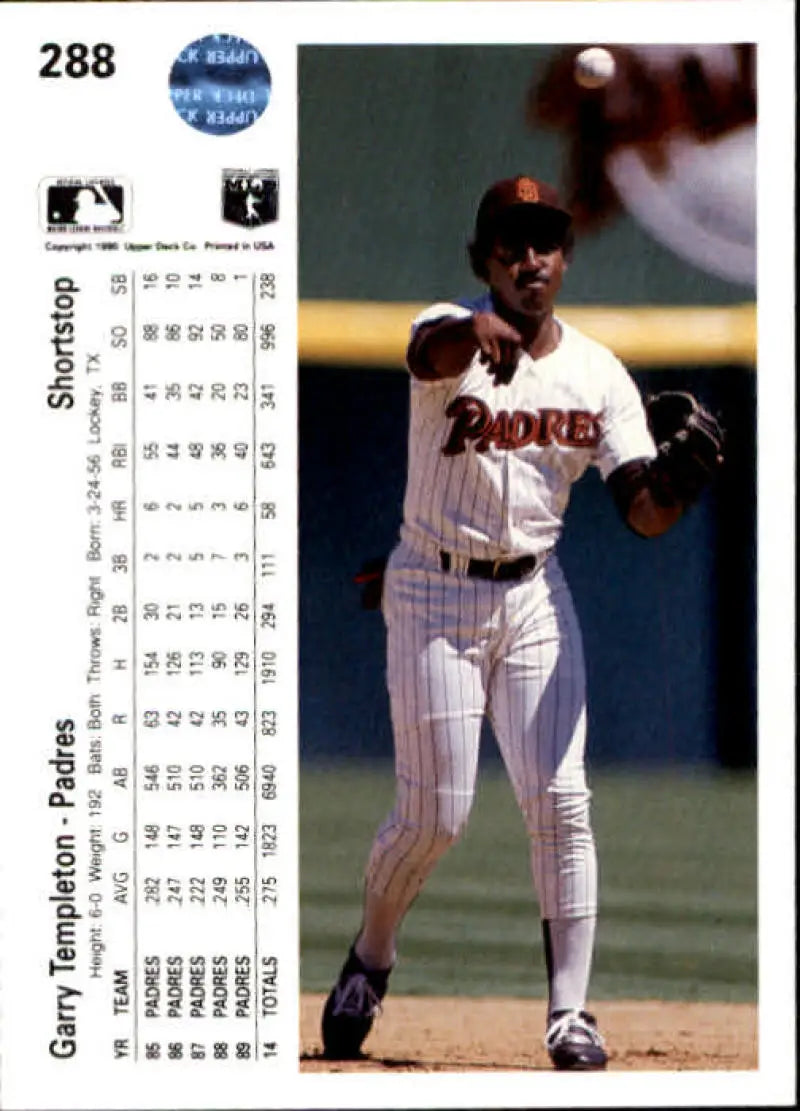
(459, 648)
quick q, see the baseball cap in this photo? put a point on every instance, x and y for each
(518, 195)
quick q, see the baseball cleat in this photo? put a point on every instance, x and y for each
(351, 1008)
(573, 1041)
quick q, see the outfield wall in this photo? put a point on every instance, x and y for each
(397, 144)
(669, 624)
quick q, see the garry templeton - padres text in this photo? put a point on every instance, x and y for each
(63, 957)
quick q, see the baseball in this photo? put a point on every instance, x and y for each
(594, 67)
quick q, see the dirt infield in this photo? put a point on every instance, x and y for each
(435, 1034)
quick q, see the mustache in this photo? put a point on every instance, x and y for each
(541, 274)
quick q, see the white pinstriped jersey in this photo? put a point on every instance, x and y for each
(490, 466)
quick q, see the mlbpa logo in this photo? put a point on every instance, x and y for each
(250, 197)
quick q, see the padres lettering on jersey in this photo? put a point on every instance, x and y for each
(491, 464)
(473, 420)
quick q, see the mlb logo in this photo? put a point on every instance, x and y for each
(250, 197)
(89, 204)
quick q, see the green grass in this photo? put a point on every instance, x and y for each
(677, 859)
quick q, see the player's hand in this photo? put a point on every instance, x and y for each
(499, 345)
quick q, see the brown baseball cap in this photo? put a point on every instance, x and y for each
(516, 194)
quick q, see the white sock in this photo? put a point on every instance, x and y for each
(569, 943)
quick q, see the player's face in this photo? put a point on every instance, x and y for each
(526, 266)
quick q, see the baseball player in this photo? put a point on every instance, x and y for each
(508, 407)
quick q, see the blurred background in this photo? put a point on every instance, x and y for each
(397, 144)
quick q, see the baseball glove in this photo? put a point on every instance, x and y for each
(689, 442)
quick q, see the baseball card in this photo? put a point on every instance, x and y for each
(398, 565)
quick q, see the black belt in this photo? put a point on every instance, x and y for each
(498, 570)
